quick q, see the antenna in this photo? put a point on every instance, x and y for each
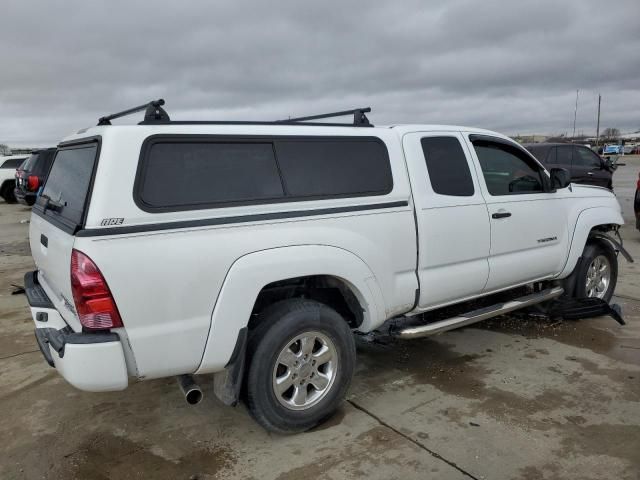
(598, 124)
(575, 114)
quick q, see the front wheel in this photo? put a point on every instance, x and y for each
(301, 361)
(597, 272)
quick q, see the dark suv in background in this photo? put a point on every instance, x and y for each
(32, 174)
(585, 165)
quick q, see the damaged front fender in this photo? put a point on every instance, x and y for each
(615, 244)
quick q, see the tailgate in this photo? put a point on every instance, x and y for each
(57, 215)
(51, 250)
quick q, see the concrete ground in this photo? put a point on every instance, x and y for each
(508, 398)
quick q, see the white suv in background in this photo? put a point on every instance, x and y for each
(254, 250)
(8, 167)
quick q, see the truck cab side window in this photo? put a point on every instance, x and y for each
(447, 166)
(506, 170)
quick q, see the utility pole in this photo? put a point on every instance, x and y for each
(575, 114)
(598, 125)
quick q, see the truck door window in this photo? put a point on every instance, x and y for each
(506, 170)
(583, 157)
(447, 166)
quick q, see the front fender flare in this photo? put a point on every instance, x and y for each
(587, 219)
(616, 245)
(250, 273)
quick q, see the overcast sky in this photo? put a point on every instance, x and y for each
(511, 66)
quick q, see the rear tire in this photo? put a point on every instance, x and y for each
(597, 272)
(6, 192)
(301, 358)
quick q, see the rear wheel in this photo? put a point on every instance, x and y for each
(301, 361)
(597, 272)
(6, 191)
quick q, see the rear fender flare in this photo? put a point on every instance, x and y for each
(250, 273)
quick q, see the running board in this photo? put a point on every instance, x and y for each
(479, 314)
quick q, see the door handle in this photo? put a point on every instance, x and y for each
(590, 173)
(501, 215)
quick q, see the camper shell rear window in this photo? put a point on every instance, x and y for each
(65, 195)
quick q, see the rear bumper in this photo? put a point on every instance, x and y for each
(93, 362)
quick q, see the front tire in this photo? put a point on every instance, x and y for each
(597, 272)
(301, 361)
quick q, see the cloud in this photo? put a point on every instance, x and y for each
(508, 66)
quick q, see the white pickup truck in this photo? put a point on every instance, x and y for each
(254, 250)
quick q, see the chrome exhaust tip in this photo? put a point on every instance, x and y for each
(190, 389)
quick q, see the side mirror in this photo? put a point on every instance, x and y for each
(611, 165)
(560, 177)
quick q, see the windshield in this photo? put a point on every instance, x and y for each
(69, 180)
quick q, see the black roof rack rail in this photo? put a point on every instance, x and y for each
(359, 117)
(153, 113)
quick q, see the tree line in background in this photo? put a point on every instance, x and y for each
(610, 133)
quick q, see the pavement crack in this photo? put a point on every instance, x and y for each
(18, 354)
(415, 442)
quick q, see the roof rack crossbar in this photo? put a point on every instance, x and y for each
(153, 113)
(359, 117)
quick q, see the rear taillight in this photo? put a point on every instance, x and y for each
(33, 182)
(638, 184)
(94, 303)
